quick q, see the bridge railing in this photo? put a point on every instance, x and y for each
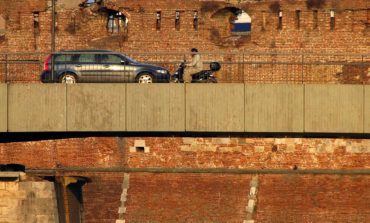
(237, 67)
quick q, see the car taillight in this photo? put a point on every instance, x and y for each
(46, 63)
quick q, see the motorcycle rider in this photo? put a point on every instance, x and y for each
(195, 66)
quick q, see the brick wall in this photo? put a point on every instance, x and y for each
(86, 28)
(209, 197)
(255, 153)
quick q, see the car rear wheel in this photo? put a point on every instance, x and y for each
(68, 78)
(145, 78)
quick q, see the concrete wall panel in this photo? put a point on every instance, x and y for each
(155, 107)
(215, 107)
(367, 109)
(334, 108)
(36, 107)
(274, 108)
(96, 107)
(3, 108)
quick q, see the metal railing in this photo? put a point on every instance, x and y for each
(239, 67)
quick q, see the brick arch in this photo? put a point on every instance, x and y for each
(222, 31)
(113, 6)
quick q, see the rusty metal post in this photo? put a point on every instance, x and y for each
(53, 38)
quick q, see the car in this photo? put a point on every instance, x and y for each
(99, 66)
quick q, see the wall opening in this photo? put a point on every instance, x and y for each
(315, 19)
(36, 23)
(298, 19)
(242, 23)
(195, 20)
(280, 21)
(177, 20)
(2, 27)
(117, 22)
(158, 23)
(332, 19)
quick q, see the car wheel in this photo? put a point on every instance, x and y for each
(68, 78)
(144, 78)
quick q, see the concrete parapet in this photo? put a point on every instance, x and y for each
(367, 108)
(96, 107)
(36, 108)
(274, 108)
(334, 108)
(215, 107)
(155, 107)
(3, 108)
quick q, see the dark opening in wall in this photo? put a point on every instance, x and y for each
(195, 20)
(263, 27)
(2, 27)
(140, 149)
(315, 22)
(117, 22)
(298, 19)
(158, 23)
(177, 20)
(332, 20)
(36, 22)
(280, 22)
(75, 202)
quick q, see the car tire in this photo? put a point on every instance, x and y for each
(145, 78)
(68, 78)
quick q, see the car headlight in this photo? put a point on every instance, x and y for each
(162, 71)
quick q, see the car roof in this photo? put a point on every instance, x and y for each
(86, 50)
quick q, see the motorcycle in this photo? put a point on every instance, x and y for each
(204, 76)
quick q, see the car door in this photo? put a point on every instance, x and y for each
(88, 67)
(114, 68)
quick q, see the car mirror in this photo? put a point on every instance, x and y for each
(124, 62)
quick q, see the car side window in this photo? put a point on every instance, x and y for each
(110, 59)
(87, 58)
(63, 58)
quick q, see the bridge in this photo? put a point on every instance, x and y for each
(231, 107)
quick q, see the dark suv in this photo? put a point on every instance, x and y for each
(99, 66)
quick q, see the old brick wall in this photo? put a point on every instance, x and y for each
(79, 28)
(255, 153)
(164, 197)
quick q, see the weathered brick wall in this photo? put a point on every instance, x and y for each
(209, 197)
(224, 198)
(255, 153)
(86, 28)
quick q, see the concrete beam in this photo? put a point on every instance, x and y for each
(366, 109)
(96, 107)
(215, 107)
(274, 108)
(36, 108)
(334, 108)
(156, 107)
(3, 107)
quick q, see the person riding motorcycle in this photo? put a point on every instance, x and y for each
(195, 66)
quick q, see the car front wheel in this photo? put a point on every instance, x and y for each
(145, 78)
(68, 78)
